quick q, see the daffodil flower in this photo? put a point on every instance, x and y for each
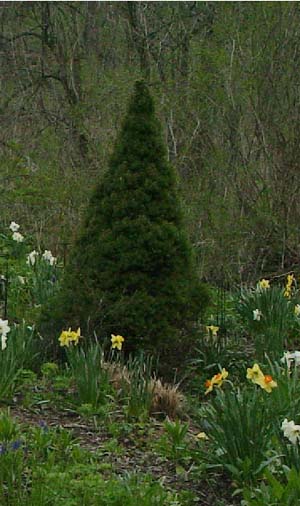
(3, 342)
(48, 257)
(18, 237)
(117, 341)
(31, 258)
(257, 314)
(202, 436)
(254, 373)
(297, 310)
(291, 357)
(4, 328)
(14, 227)
(68, 336)
(268, 383)
(264, 284)
(212, 329)
(288, 288)
(216, 381)
(291, 431)
(257, 377)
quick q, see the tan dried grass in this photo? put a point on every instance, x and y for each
(167, 400)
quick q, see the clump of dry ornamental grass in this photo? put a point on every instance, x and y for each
(166, 398)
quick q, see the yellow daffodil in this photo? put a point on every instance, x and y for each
(268, 383)
(297, 310)
(212, 329)
(68, 336)
(202, 436)
(117, 342)
(288, 286)
(264, 284)
(256, 375)
(215, 381)
(219, 378)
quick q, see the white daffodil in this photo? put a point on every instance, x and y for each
(257, 314)
(4, 329)
(287, 359)
(21, 280)
(18, 237)
(14, 227)
(31, 259)
(3, 342)
(291, 431)
(296, 357)
(291, 357)
(47, 255)
(297, 310)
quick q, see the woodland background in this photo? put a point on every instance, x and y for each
(226, 82)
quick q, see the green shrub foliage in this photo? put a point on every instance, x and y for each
(131, 271)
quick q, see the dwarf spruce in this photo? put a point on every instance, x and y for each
(131, 271)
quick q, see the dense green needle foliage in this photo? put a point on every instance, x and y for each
(131, 270)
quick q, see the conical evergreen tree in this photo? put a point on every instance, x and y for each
(131, 271)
